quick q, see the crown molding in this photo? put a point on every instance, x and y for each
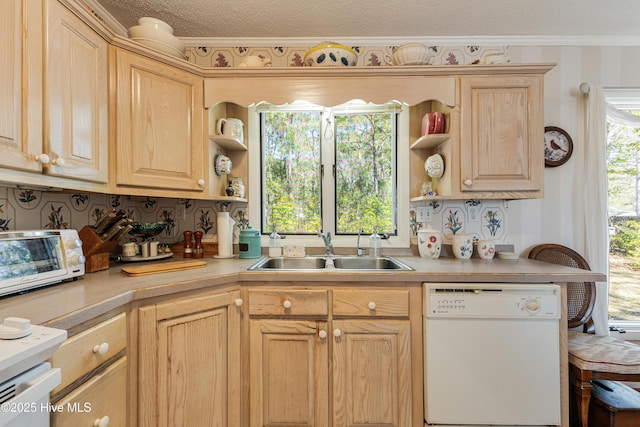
(512, 40)
(106, 17)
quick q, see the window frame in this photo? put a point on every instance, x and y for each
(400, 240)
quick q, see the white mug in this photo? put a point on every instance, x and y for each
(486, 249)
(231, 128)
(462, 246)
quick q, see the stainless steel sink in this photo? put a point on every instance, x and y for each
(307, 263)
(336, 263)
(369, 263)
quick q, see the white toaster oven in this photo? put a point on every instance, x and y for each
(30, 259)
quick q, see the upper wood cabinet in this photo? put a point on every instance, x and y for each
(76, 97)
(158, 144)
(21, 84)
(53, 108)
(502, 135)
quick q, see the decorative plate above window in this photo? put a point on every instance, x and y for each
(558, 146)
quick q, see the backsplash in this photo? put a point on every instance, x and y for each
(25, 209)
(22, 209)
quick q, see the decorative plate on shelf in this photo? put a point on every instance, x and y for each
(558, 146)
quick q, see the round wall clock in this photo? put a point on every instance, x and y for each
(558, 146)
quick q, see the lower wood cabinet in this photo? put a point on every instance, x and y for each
(93, 389)
(189, 361)
(341, 357)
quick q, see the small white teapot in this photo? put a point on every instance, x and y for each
(254, 61)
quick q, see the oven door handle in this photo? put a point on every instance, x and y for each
(31, 398)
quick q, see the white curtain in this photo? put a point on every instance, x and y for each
(594, 233)
(601, 104)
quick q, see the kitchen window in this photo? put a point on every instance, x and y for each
(333, 169)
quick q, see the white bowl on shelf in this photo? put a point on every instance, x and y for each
(156, 39)
(159, 25)
(410, 54)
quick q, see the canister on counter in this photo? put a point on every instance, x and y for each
(249, 243)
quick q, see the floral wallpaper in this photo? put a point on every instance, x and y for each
(26, 209)
(483, 219)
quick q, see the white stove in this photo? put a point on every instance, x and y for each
(25, 378)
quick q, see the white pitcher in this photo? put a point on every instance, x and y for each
(231, 128)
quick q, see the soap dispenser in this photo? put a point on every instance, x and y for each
(375, 243)
(275, 243)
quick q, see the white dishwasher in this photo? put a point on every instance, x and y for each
(492, 354)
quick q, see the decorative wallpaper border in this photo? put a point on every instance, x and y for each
(369, 56)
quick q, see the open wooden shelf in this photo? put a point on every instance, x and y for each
(228, 143)
(429, 141)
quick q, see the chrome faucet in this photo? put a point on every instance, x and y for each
(328, 246)
(359, 250)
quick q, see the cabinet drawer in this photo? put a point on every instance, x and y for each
(287, 302)
(386, 303)
(104, 395)
(81, 353)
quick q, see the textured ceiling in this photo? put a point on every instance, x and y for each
(333, 19)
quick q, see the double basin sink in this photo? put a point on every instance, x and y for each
(328, 263)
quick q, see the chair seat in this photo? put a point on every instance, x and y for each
(603, 353)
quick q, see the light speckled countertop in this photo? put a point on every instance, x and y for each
(70, 303)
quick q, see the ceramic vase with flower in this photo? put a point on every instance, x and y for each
(429, 243)
(462, 245)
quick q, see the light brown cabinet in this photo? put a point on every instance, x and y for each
(158, 112)
(351, 367)
(76, 97)
(502, 135)
(189, 361)
(94, 376)
(54, 107)
(21, 84)
(492, 148)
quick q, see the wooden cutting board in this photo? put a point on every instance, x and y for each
(165, 267)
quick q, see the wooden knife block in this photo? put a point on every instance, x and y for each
(95, 250)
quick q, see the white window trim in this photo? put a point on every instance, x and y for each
(401, 240)
(624, 99)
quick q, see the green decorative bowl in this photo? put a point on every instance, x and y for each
(148, 230)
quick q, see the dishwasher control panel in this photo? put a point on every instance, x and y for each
(494, 300)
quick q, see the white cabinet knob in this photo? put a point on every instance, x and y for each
(59, 162)
(372, 305)
(43, 159)
(101, 422)
(239, 302)
(468, 182)
(322, 334)
(337, 333)
(287, 304)
(101, 349)
(201, 182)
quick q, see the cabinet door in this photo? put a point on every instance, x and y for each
(76, 97)
(159, 120)
(20, 84)
(372, 373)
(289, 373)
(502, 143)
(189, 362)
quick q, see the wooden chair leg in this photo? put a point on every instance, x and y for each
(581, 383)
